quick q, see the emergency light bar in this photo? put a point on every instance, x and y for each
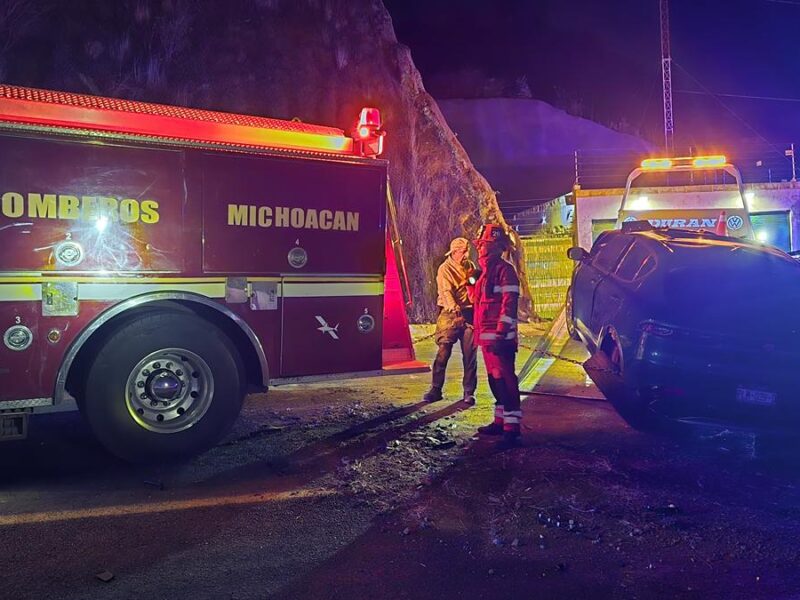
(651, 164)
(716, 161)
(704, 162)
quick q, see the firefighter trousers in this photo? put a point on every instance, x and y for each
(505, 387)
(469, 355)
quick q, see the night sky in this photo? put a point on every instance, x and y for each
(601, 59)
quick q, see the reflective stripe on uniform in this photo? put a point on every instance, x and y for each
(502, 289)
(509, 420)
(507, 319)
(498, 410)
(511, 335)
(488, 336)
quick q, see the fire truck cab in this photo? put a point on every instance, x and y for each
(158, 262)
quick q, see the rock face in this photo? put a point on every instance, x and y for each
(317, 60)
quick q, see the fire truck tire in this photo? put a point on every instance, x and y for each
(164, 385)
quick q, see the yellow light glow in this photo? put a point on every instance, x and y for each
(656, 163)
(709, 161)
(762, 236)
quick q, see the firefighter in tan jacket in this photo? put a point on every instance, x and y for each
(454, 323)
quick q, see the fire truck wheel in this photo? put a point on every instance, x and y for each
(164, 385)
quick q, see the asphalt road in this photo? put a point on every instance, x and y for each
(358, 490)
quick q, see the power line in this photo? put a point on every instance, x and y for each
(747, 97)
(726, 107)
(790, 2)
(647, 104)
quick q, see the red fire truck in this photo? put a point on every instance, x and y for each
(158, 262)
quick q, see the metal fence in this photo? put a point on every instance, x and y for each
(549, 272)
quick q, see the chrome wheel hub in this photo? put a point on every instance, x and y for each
(169, 390)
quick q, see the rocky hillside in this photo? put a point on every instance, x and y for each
(317, 60)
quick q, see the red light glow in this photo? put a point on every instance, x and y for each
(94, 113)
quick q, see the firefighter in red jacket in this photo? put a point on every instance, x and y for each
(496, 299)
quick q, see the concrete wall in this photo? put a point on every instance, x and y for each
(593, 205)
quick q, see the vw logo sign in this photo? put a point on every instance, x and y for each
(735, 222)
(629, 219)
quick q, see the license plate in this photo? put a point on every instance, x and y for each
(759, 397)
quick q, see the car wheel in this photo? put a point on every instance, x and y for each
(164, 385)
(573, 333)
(629, 402)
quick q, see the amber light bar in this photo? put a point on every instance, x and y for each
(60, 109)
(684, 162)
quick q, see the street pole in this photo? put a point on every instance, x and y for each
(794, 174)
(666, 78)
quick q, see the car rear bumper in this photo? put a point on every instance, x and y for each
(733, 385)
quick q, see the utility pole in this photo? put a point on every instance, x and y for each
(666, 77)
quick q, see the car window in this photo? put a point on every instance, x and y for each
(608, 254)
(637, 262)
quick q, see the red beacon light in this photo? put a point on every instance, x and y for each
(368, 133)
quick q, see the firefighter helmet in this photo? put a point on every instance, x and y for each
(493, 233)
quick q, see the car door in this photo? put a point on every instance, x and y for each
(588, 275)
(617, 302)
(607, 296)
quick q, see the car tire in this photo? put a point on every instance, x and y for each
(573, 333)
(629, 402)
(163, 385)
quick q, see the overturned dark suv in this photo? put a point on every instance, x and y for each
(691, 326)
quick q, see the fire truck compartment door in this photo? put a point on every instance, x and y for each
(325, 328)
(71, 205)
(268, 214)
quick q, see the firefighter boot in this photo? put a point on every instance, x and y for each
(469, 398)
(433, 395)
(511, 426)
(496, 427)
